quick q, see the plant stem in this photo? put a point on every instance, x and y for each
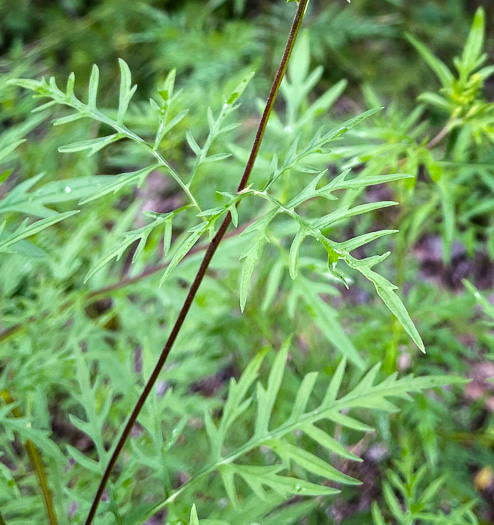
(442, 134)
(36, 464)
(213, 245)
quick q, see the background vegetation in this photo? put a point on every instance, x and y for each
(83, 316)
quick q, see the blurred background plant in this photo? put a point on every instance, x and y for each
(74, 354)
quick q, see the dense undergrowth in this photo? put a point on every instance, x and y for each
(297, 392)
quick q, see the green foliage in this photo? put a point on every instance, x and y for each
(409, 501)
(94, 268)
(305, 416)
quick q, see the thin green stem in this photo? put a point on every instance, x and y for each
(213, 246)
(156, 154)
(175, 175)
(37, 466)
(97, 115)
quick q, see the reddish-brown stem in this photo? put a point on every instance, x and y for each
(213, 245)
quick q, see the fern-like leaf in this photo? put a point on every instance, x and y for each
(306, 416)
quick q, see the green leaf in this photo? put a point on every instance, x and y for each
(84, 461)
(310, 462)
(93, 145)
(295, 251)
(475, 42)
(194, 520)
(240, 88)
(267, 398)
(305, 416)
(437, 101)
(195, 234)
(386, 291)
(141, 235)
(393, 503)
(335, 383)
(345, 212)
(361, 240)
(252, 254)
(298, 66)
(439, 67)
(322, 104)
(328, 442)
(217, 157)
(5, 175)
(9, 148)
(191, 141)
(126, 91)
(118, 182)
(7, 242)
(303, 395)
(326, 319)
(376, 515)
(273, 283)
(341, 183)
(285, 485)
(167, 92)
(93, 87)
(34, 202)
(258, 477)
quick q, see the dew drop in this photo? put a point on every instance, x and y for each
(225, 106)
(298, 488)
(288, 129)
(67, 189)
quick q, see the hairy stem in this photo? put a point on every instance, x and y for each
(37, 466)
(213, 245)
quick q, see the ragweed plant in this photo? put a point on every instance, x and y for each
(454, 161)
(103, 317)
(410, 502)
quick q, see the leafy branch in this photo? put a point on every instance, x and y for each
(305, 416)
(49, 89)
(336, 250)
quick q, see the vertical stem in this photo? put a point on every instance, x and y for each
(213, 245)
(37, 466)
